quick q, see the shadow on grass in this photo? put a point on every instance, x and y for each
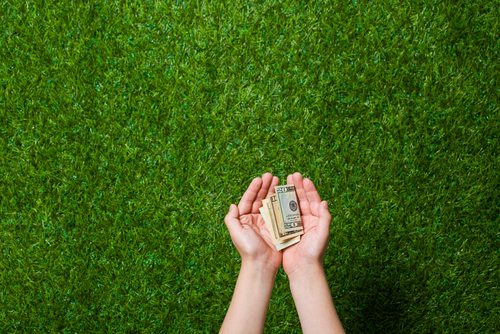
(382, 307)
(375, 302)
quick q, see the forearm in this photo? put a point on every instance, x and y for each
(313, 300)
(248, 308)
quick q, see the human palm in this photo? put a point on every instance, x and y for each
(316, 221)
(247, 227)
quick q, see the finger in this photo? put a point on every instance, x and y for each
(275, 182)
(266, 182)
(249, 196)
(301, 194)
(289, 179)
(232, 222)
(312, 196)
(324, 220)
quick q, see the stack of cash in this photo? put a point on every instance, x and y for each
(282, 216)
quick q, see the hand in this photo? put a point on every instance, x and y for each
(248, 229)
(316, 220)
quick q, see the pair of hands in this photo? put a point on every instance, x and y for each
(252, 239)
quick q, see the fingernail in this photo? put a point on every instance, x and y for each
(325, 204)
(230, 207)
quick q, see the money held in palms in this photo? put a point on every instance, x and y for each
(273, 219)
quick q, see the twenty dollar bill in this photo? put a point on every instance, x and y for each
(282, 245)
(273, 215)
(288, 208)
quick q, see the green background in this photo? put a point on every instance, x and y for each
(127, 128)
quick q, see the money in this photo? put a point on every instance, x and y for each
(288, 207)
(284, 244)
(283, 232)
(275, 218)
(273, 230)
(288, 243)
(275, 214)
(271, 215)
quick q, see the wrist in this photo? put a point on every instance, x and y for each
(257, 268)
(310, 271)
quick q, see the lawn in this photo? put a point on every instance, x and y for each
(127, 128)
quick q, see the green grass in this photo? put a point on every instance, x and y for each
(127, 128)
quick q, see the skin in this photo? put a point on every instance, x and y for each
(259, 259)
(302, 262)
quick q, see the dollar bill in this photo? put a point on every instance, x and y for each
(288, 243)
(289, 208)
(278, 245)
(273, 231)
(274, 216)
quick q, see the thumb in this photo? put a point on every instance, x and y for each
(232, 221)
(324, 219)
